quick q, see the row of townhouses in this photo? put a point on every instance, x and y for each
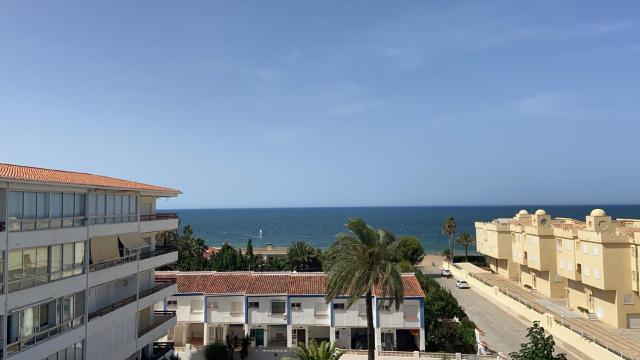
(284, 310)
(593, 264)
(78, 254)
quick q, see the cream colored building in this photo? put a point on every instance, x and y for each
(593, 264)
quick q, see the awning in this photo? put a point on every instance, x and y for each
(104, 248)
(133, 241)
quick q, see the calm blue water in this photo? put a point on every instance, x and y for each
(319, 226)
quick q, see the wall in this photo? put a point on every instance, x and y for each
(306, 315)
(223, 312)
(263, 314)
(350, 317)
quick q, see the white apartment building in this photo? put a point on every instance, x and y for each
(284, 310)
(78, 255)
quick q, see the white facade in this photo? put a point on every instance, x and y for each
(288, 320)
(56, 299)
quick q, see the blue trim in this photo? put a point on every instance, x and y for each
(246, 309)
(333, 322)
(288, 310)
(206, 310)
(422, 313)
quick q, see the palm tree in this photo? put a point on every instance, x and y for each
(303, 257)
(465, 239)
(315, 351)
(359, 262)
(449, 229)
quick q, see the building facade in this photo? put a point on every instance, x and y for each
(592, 264)
(284, 310)
(78, 254)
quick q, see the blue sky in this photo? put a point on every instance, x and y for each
(330, 103)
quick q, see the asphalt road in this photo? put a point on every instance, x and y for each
(503, 331)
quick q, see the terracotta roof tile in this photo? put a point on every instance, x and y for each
(258, 283)
(40, 175)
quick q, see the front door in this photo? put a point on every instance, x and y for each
(259, 335)
(300, 337)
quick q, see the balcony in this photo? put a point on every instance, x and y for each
(162, 255)
(131, 264)
(163, 289)
(46, 223)
(159, 318)
(158, 222)
(42, 336)
(110, 308)
(160, 350)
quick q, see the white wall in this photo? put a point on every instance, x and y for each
(184, 313)
(350, 317)
(398, 319)
(263, 314)
(114, 335)
(223, 312)
(27, 239)
(306, 315)
(107, 294)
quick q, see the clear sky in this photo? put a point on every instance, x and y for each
(330, 103)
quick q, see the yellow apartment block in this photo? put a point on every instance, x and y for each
(592, 264)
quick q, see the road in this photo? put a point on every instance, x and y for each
(503, 331)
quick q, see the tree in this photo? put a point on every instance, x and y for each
(190, 251)
(446, 253)
(227, 259)
(252, 260)
(465, 239)
(449, 227)
(539, 347)
(216, 351)
(359, 262)
(409, 248)
(315, 351)
(303, 257)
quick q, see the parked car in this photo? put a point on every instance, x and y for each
(445, 273)
(462, 284)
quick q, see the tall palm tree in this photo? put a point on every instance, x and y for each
(359, 262)
(303, 257)
(465, 239)
(449, 229)
(315, 351)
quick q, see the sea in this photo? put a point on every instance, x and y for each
(319, 226)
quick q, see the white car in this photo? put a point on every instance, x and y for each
(462, 284)
(445, 273)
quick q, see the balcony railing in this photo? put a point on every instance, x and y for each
(114, 262)
(107, 309)
(158, 216)
(159, 285)
(160, 349)
(159, 317)
(44, 335)
(46, 223)
(27, 281)
(160, 250)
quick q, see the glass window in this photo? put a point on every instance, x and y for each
(29, 210)
(118, 204)
(110, 208)
(78, 258)
(44, 316)
(67, 259)
(125, 204)
(67, 204)
(56, 205)
(277, 307)
(15, 270)
(42, 210)
(42, 264)
(79, 205)
(100, 208)
(56, 261)
(67, 308)
(79, 350)
(27, 320)
(133, 205)
(15, 204)
(78, 304)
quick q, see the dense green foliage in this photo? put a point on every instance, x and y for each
(465, 239)
(409, 248)
(315, 351)
(216, 351)
(303, 257)
(357, 262)
(190, 249)
(449, 227)
(539, 347)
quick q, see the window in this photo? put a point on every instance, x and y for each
(172, 304)
(197, 306)
(67, 204)
(56, 210)
(595, 250)
(628, 299)
(15, 204)
(296, 306)
(338, 306)
(320, 309)
(561, 264)
(213, 305)
(277, 307)
(569, 266)
(254, 305)
(68, 259)
(586, 271)
(236, 307)
(362, 310)
(56, 262)
(596, 274)
(78, 258)
(42, 205)
(410, 312)
(559, 245)
(585, 248)
(568, 245)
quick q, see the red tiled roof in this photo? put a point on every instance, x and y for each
(40, 175)
(258, 283)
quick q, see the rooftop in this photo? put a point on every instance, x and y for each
(29, 174)
(264, 283)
